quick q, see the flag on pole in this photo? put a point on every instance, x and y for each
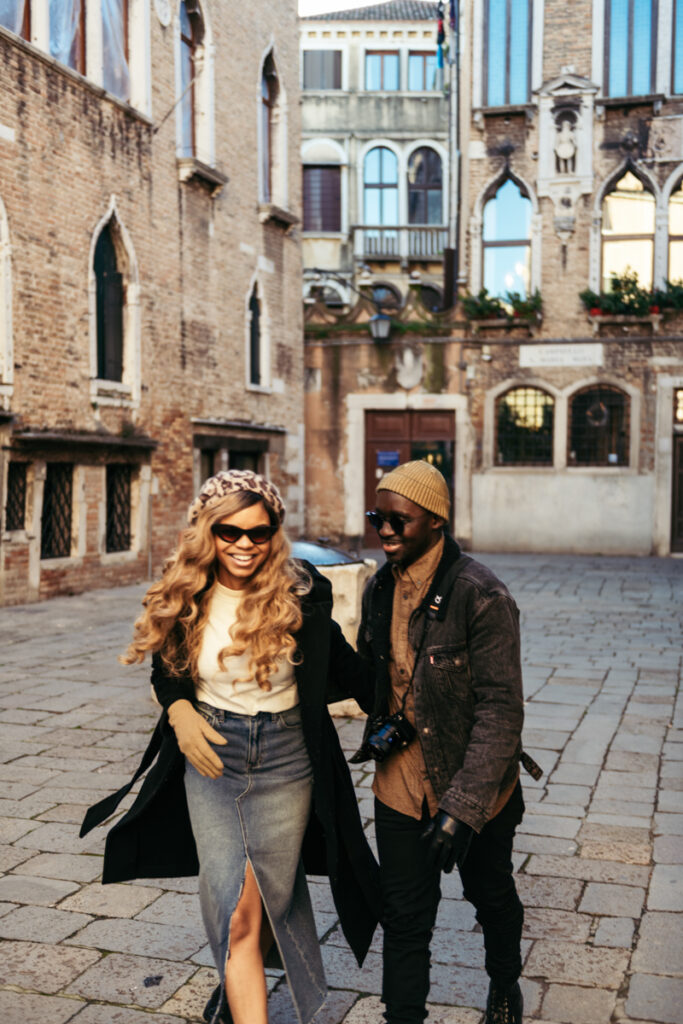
(440, 35)
(452, 14)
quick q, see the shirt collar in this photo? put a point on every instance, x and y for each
(422, 570)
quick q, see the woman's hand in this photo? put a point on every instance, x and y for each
(194, 734)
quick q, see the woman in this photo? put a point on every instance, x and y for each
(245, 656)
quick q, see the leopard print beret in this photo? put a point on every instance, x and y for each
(227, 482)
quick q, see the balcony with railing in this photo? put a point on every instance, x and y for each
(406, 243)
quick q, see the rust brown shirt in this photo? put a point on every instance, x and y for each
(401, 781)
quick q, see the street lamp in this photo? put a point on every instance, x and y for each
(380, 326)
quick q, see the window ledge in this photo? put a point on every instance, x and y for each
(61, 562)
(654, 99)
(271, 212)
(507, 110)
(602, 470)
(190, 167)
(624, 320)
(504, 324)
(119, 557)
(260, 389)
(65, 439)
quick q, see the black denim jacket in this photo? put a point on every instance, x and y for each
(467, 681)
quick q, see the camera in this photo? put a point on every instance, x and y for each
(393, 732)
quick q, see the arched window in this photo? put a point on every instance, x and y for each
(507, 241)
(676, 235)
(631, 43)
(115, 49)
(191, 35)
(425, 184)
(386, 296)
(628, 231)
(599, 427)
(255, 367)
(524, 427)
(269, 96)
(110, 300)
(380, 200)
(431, 298)
(507, 57)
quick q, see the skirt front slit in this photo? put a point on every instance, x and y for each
(256, 813)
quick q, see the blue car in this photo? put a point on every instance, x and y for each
(320, 554)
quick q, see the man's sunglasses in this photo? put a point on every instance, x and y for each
(231, 534)
(396, 522)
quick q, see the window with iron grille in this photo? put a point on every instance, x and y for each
(599, 427)
(118, 507)
(15, 507)
(524, 428)
(55, 529)
(322, 198)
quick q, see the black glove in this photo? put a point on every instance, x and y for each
(449, 840)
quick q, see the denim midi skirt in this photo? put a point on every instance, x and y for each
(257, 812)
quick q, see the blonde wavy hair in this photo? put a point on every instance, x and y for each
(176, 606)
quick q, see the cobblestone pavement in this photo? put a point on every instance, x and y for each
(598, 856)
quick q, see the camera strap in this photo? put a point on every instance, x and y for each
(433, 607)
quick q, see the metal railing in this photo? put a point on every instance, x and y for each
(410, 242)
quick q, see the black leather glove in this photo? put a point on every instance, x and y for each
(449, 841)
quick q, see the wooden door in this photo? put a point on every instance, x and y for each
(396, 436)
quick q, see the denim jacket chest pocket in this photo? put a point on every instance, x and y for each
(448, 666)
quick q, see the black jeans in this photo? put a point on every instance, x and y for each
(410, 898)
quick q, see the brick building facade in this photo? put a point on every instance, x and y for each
(150, 277)
(566, 412)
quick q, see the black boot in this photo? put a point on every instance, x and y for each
(210, 1008)
(504, 1004)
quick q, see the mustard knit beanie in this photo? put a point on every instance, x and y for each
(422, 483)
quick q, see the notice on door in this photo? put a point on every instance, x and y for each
(387, 460)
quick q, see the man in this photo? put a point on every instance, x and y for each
(442, 634)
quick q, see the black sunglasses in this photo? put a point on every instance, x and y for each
(396, 522)
(231, 534)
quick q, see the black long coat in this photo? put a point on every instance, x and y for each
(154, 838)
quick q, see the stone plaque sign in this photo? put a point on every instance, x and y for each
(581, 354)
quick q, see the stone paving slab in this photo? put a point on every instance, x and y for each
(577, 1004)
(131, 980)
(41, 924)
(32, 1008)
(46, 968)
(602, 662)
(655, 998)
